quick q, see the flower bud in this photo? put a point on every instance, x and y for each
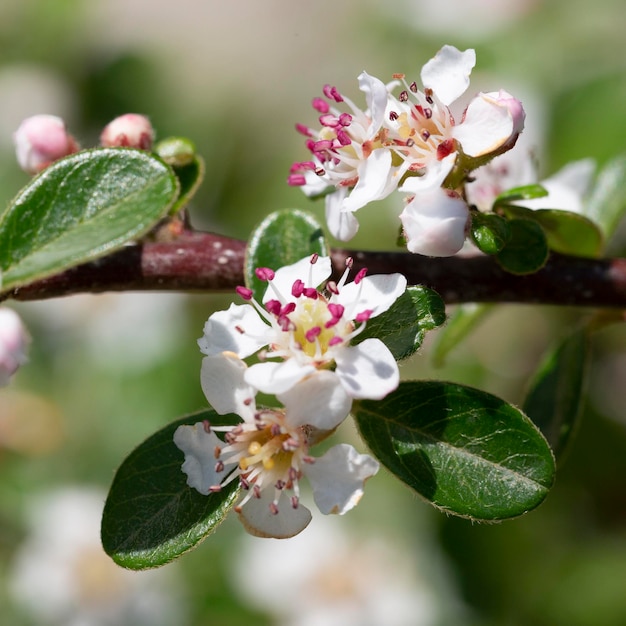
(40, 140)
(129, 131)
(435, 223)
(176, 151)
(13, 342)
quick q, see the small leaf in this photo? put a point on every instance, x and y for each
(525, 192)
(566, 232)
(80, 208)
(282, 238)
(490, 232)
(403, 326)
(526, 251)
(190, 177)
(460, 324)
(606, 205)
(555, 398)
(151, 516)
(464, 450)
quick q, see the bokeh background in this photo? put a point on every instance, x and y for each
(107, 371)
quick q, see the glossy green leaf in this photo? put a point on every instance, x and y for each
(151, 515)
(490, 232)
(190, 177)
(555, 398)
(80, 208)
(525, 192)
(465, 451)
(527, 249)
(566, 232)
(606, 205)
(403, 326)
(460, 324)
(282, 238)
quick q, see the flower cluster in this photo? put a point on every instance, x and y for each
(413, 143)
(301, 337)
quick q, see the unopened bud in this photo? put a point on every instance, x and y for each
(13, 342)
(128, 131)
(40, 140)
(176, 151)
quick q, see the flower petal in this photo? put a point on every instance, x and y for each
(277, 376)
(491, 122)
(199, 465)
(448, 72)
(338, 477)
(434, 223)
(434, 175)
(367, 370)
(223, 383)
(312, 274)
(376, 96)
(375, 181)
(374, 293)
(259, 521)
(319, 400)
(341, 224)
(238, 329)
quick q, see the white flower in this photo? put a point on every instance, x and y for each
(304, 333)
(269, 451)
(566, 188)
(13, 343)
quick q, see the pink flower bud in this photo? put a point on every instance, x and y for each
(40, 140)
(129, 131)
(13, 342)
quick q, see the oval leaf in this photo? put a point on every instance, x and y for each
(555, 398)
(190, 177)
(403, 326)
(151, 516)
(464, 450)
(526, 251)
(282, 238)
(80, 208)
(490, 232)
(525, 192)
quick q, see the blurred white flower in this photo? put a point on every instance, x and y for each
(62, 577)
(13, 343)
(330, 576)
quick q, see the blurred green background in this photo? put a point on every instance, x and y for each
(107, 371)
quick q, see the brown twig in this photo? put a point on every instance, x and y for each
(206, 262)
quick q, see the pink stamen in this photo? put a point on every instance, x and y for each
(304, 130)
(343, 138)
(335, 341)
(329, 120)
(297, 288)
(264, 273)
(313, 333)
(345, 119)
(273, 307)
(332, 94)
(296, 180)
(336, 310)
(320, 105)
(364, 315)
(310, 292)
(360, 275)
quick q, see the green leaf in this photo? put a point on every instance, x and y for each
(81, 208)
(465, 451)
(403, 326)
(489, 232)
(525, 192)
(555, 398)
(190, 177)
(526, 251)
(566, 232)
(607, 203)
(282, 238)
(151, 515)
(460, 324)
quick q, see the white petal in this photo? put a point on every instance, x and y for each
(239, 329)
(259, 521)
(374, 180)
(199, 446)
(367, 370)
(374, 293)
(488, 125)
(314, 185)
(341, 224)
(277, 376)
(435, 174)
(312, 274)
(338, 478)
(376, 96)
(222, 380)
(434, 223)
(448, 72)
(319, 400)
